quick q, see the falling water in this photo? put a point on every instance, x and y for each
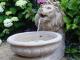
(38, 28)
(38, 25)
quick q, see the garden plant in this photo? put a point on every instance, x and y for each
(71, 9)
(15, 15)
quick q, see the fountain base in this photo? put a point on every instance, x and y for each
(57, 54)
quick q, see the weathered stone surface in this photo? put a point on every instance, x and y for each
(49, 18)
(44, 45)
(7, 54)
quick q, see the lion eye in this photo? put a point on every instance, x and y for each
(48, 7)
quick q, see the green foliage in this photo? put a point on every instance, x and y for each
(23, 11)
(71, 9)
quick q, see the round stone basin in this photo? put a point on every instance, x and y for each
(35, 44)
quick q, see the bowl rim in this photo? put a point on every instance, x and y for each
(11, 40)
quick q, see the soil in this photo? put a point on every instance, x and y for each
(7, 54)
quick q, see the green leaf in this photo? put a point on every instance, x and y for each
(20, 15)
(25, 12)
(6, 31)
(71, 13)
(1, 34)
(77, 20)
(64, 4)
(74, 26)
(18, 25)
(73, 4)
(68, 26)
(13, 10)
(27, 16)
(74, 50)
(29, 5)
(66, 19)
(2, 18)
(71, 50)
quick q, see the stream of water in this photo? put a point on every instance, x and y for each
(38, 25)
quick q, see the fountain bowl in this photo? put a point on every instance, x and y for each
(35, 44)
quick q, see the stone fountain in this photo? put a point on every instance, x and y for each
(42, 45)
(45, 44)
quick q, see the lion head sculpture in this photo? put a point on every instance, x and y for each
(50, 18)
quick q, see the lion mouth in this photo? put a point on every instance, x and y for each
(43, 15)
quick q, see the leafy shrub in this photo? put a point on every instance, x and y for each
(71, 9)
(14, 15)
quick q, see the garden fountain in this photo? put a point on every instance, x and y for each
(40, 45)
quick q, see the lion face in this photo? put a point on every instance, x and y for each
(46, 10)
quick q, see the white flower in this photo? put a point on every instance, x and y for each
(2, 3)
(14, 19)
(21, 3)
(8, 23)
(7, 20)
(1, 9)
(2, 6)
(8, 12)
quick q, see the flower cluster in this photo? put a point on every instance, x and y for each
(2, 4)
(14, 15)
(9, 22)
(21, 3)
(8, 12)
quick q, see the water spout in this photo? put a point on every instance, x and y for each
(38, 25)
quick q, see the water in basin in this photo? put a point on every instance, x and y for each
(35, 37)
